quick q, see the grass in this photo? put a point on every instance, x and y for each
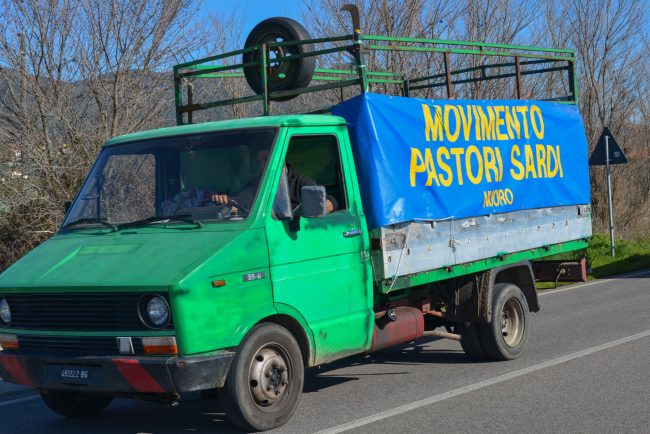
(630, 256)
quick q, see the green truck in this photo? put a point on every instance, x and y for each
(232, 255)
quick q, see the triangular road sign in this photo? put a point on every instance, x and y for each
(616, 155)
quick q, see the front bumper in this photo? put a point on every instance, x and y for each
(118, 374)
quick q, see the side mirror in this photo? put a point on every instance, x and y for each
(314, 201)
(282, 202)
(66, 206)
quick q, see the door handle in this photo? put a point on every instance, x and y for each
(352, 233)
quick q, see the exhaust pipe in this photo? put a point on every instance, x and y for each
(441, 334)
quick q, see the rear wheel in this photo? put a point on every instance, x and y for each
(470, 340)
(74, 404)
(265, 381)
(505, 337)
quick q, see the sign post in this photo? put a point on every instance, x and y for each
(609, 199)
(601, 156)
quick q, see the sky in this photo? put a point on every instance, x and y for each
(255, 10)
(258, 10)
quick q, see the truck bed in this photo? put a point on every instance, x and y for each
(415, 247)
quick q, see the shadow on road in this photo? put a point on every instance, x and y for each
(406, 355)
(206, 416)
(124, 416)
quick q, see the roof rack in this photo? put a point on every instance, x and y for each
(476, 62)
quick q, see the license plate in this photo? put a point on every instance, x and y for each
(74, 375)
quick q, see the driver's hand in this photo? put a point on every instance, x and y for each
(221, 199)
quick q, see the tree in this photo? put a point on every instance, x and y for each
(611, 46)
(72, 75)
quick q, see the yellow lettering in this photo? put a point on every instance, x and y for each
(559, 160)
(452, 137)
(537, 124)
(433, 127)
(431, 168)
(523, 110)
(467, 121)
(514, 154)
(444, 166)
(499, 164)
(477, 123)
(530, 162)
(494, 198)
(487, 198)
(509, 196)
(490, 162)
(512, 122)
(551, 172)
(487, 124)
(417, 164)
(457, 152)
(499, 122)
(540, 153)
(491, 123)
(475, 179)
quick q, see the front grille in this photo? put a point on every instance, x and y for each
(74, 346)
(77, 311)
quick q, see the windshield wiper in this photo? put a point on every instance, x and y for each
(156, 220)
(144, 221)
(101, 221)
(187, 218)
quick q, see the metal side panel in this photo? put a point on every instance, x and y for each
(414, 247)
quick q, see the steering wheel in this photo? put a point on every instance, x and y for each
(239, 206)
(225, 210)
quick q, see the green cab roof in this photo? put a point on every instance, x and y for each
(205, 127)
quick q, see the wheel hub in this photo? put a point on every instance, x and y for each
(512, 322)
(268, 376)
(277, 69)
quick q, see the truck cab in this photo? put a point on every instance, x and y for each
(155, 285)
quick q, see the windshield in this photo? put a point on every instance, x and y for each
(212, 176)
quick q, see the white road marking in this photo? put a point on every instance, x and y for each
(18, 400)
(480, 385)
(594, 282)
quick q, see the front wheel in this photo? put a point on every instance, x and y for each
(504, 338)
(74, 404)
(265, 381)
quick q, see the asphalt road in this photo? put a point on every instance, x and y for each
(587, 369)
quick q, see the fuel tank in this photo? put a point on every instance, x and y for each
(397, 326)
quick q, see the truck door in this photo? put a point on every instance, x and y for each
(321, 269)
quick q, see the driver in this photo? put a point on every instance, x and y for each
(191, 198)
(296, 181)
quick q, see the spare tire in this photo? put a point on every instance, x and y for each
(282, 75)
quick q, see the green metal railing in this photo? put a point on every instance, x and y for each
(514, 62)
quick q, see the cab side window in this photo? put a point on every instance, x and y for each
(318, 158)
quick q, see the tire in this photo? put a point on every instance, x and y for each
(470, 340)
(265, 381)
(297, 73)
(505, 337)
(74, 404)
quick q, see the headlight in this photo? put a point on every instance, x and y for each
(5, 312)
(154, 311)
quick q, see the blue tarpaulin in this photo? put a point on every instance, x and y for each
(447, 159)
